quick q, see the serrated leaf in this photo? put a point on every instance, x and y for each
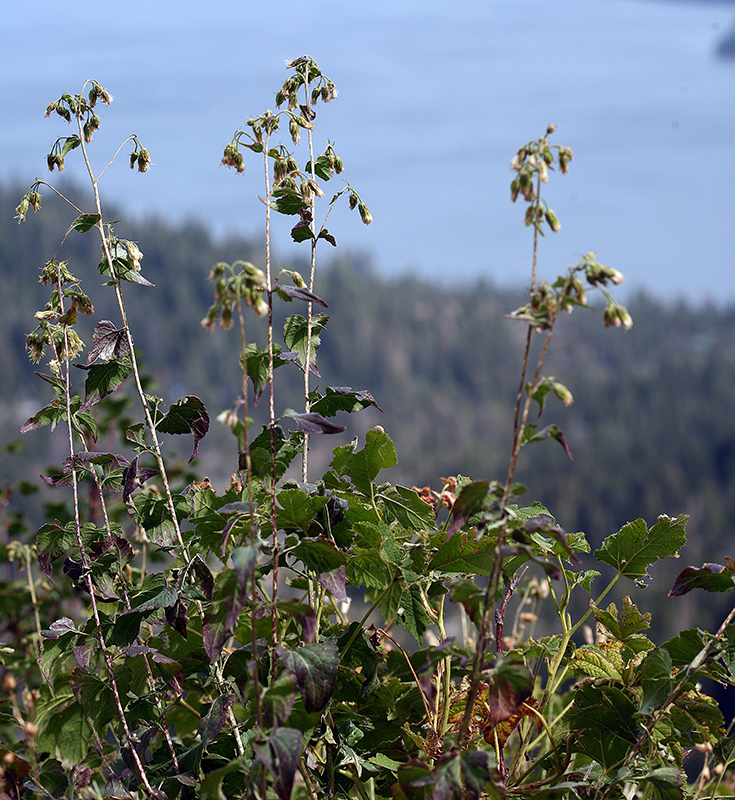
(710, 577)
(104, 379)
(411, 613)
(634, 548)
(666, 783)
(590, 660)
(342, 398)
(109, 343)
(187, 415)
(315, 668)
(256, 366)
(51, 415)
(295, 331)
(364, 466)
(602, 719)
(462, 554)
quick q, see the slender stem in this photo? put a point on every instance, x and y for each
(272, 412)
(309, 309)
(85, 561)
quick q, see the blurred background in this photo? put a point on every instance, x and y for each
(432, 106)
(434, 100)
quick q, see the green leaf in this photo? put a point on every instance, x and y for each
(368, 569)
(51, 415)
(256, 366)
(319, 554)
(630, 622)
(187, 415)
(412, 614)
(602, 719)
(296, 510)
(657, 679)
(103, 379)
(260, 453)
(470, 596)
(470, 501)
(666, 783)
(407, 508)
(481, 776)
(363, 466)
(83, 223)
(591, 660)
(295, 334)
(633, 548)
(315, 667)
(342, 398)
(301, 231)
(462, 554)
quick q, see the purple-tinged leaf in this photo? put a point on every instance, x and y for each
(279, 754)
(58, 383)
(279, 699)
(479, 769)
(59, 628)
(334, 582)
(213, 721)
(177, 618)
(312, 423)
(315, 667)
(301, 293)
(549, 432)
(188, 415)
(343, 398)
(327, 236)
(447, 777)
(51, 414)
(134, 477)
(83, 652)
(509, 685)
(206, 581)
(296, 337)
(710, 577)
(303, 613)
(243, 560)
(109, 343)
(469, 502)
(52, 541)
(301, 231)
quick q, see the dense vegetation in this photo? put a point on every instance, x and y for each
(652, 407)
(292, 624)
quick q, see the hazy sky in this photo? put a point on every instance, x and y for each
(434, 100)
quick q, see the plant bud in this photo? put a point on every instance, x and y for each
(134, 159)
(144, 160)
(515, 187)
(30, 728)
(338, 166)
(563, 393)
(552, 220)
(550, 129)
(518, 159)
(260, 306)
(353, 201)
(316, 188)
(293, 129)
(365, 215)
(9, 682)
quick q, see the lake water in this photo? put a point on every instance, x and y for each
(434, 101)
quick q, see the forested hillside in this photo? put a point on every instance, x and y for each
(652, 428)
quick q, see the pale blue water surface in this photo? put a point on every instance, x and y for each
(434, 100)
